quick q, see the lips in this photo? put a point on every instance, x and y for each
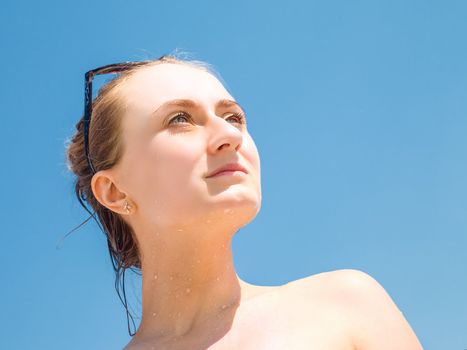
(228, 167)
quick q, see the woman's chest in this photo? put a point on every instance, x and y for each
(279, 322)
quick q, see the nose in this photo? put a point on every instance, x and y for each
(224, 135)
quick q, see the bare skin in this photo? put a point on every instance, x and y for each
(184, 222)
(342, 310)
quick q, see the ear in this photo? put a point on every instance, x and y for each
(107, 193)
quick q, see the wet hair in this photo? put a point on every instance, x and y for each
(106, 148)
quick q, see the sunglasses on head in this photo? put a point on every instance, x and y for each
(110, 68)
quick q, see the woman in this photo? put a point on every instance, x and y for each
(173, 173)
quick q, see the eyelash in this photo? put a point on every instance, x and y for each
(241, 117)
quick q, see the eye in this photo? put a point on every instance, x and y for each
(240, 117)
(181, 115)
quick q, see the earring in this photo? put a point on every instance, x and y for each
(127, 207)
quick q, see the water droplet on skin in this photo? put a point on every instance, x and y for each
(154, 314)
(208, 221)
(155, 277)
(179, 314)
(171, 278)
(179, 230)
(217, 278)
(228, 211)
(224, 307)
(188, 290)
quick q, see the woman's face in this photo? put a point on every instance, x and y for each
(180, 125)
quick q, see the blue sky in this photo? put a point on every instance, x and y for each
(359, 113)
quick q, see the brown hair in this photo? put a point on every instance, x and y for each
(106, 148)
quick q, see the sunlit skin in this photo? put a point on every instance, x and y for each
(184, 222)
(192, 297)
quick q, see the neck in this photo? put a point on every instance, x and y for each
(189, 286)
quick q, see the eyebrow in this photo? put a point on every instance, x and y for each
(225, 103)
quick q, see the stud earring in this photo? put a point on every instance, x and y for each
(127, 207)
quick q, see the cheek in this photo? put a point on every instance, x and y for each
(164, 168)
(251, 155)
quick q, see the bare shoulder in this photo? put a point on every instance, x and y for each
(334, 286)
(344, 284)
(370, 316)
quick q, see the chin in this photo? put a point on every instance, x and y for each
(246, 214)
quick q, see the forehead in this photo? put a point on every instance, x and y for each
(151, 86)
